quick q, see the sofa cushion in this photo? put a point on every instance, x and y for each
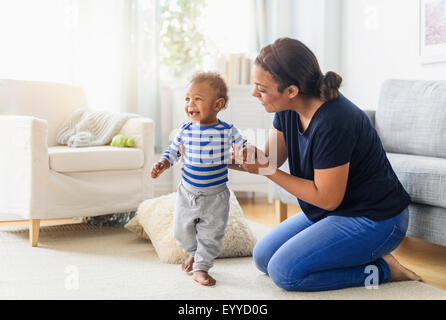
(66, 159)
(424, 178)
(411, 117)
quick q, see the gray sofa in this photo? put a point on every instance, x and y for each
(411, 121)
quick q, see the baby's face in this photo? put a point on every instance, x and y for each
(202, 104)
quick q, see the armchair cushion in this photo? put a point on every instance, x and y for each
(101, 158)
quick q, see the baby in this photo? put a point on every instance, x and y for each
(202, 203)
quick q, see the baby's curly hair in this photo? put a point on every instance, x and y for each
(215, 81)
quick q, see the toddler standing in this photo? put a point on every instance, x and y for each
(202, 204)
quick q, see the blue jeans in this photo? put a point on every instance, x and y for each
(333, 253)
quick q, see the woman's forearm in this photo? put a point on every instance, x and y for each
(303, 189)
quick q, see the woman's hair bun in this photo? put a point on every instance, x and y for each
(330, 84)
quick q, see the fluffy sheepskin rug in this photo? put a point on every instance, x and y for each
(154, 219)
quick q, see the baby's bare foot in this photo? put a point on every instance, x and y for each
(204, 278)
(398, 272)
(186, 266)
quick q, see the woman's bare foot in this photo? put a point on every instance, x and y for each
(204, 278)
(186, 266)
(398, 272)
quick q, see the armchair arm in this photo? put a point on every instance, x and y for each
(371, 115)
(143, 131)
(24, 167)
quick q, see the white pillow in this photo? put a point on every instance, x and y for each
(134, 226)
(156, 217)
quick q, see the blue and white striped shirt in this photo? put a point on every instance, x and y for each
(206, 152)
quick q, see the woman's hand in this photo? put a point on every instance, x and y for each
(253, 160)
(237, 158)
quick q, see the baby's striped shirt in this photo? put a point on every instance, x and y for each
(206, 152)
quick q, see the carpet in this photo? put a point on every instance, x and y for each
(87, 262)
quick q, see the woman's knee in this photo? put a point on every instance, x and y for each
(261, 256)
(284, 275)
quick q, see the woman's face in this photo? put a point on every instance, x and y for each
(265, 89)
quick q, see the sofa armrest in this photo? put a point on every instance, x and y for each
(24, 167)
(371, 115)
(143, 131)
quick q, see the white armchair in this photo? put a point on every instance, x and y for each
(40, 179)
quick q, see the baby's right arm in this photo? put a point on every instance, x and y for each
(159, 167)
(170, 156)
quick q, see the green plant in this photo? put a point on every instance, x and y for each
(182, 44)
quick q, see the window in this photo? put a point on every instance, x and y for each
(204, 34)
(229, 25)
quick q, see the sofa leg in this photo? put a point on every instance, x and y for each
(280, 211)
(34, 228)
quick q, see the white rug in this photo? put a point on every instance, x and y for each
(86, 262)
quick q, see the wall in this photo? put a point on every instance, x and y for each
(318, 26)
(380, 40)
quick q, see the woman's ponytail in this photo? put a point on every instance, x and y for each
(330, 84)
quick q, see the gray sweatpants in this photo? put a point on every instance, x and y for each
(199, 223)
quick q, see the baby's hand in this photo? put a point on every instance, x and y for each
(159, 168)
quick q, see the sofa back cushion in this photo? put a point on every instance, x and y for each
(411, 117)
(52, 102)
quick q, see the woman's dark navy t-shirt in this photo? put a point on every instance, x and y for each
(339, 132)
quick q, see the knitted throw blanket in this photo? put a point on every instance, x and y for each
(91, 128)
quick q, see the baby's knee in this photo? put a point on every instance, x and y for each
(186, 241)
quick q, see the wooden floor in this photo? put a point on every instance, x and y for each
(426, 259)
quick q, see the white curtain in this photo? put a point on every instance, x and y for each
(274, 19)
(107, 47)
(141, 62)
